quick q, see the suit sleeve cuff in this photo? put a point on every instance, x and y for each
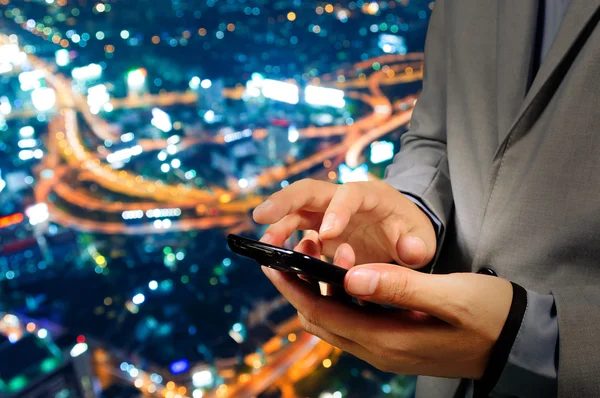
(437, 224)
(523, 362)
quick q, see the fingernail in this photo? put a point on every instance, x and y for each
(363, 282)
(266, 238)
(328, 223)
(264, 205)
(414, 241)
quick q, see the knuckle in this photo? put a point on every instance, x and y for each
(378, 347)
(311, 315)
(304, 183)
(351, 187)
(276, 196)
(340, 189)
(400, 292)
(305, 324)
(459, 312)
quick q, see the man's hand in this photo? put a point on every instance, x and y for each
(447, 327)
(377, 221)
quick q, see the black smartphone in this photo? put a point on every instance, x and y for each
(286, 260)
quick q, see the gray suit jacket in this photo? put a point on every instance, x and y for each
(514, 175)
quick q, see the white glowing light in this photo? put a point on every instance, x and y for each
(132, 214)
(138, 299)
(252, 91)
(5, 67)
(293, 134)
(62, 57)
(98, 96)
(42, 333)
(26, 132)
(136, 79)
(195, 83)
(236, 336)
(161, 120)
(10, 53)
(37, 213)
(43, 99)
(206, 83)
(31, 79)
(124, 154)
(89, 72)
(26, 154)
(127, 137)
(243, 183)
(209, 116)
(78, 349)
(361, 173)
(381, 151)
(5, 107)
(392, 44)
(280, 91)
(171, 149)
(163, 224)
(153, 285)
(323, 96)
(161, 213)
(26, 143)
(203, 378)
(230, 137)
(197, 393)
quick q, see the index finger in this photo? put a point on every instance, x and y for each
(307, 194)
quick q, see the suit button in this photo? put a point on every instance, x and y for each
(487, 271)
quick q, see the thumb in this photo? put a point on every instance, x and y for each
(412, 250)
(387, 284)
(416, 247)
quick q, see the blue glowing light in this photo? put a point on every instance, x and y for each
(180, 366)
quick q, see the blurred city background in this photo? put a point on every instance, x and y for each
(134, 136)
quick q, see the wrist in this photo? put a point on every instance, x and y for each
(500, 351)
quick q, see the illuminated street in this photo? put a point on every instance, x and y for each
(126, 158)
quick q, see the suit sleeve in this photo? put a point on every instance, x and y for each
(578, 320)
(421, 167)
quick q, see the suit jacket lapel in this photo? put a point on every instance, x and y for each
(581, 16)
(515, 43)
